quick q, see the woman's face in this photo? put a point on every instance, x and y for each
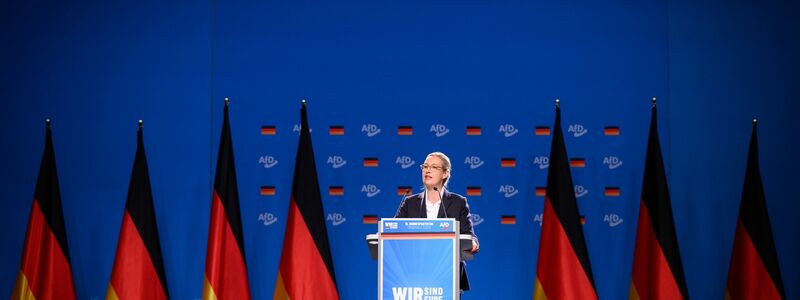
(433, 173)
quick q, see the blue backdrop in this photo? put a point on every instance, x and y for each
(96, 67)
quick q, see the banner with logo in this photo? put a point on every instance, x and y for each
(418, 259)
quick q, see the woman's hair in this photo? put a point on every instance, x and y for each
(445, 164)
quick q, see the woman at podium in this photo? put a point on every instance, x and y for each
(437, 202)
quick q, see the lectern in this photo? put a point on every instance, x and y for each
(418, 259)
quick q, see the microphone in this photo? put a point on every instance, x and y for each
(402, 201)
(441, 202)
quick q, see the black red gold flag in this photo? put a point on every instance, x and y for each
(45, 271)
(306, 266)
(226, 268)
(563, 270)
(657, 269)
(138, 271)
(754, 272)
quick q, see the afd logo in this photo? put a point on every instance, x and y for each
(612, 219)
(474, 162)
(336, 161)
(370, 189)
(267, 218)
(538, 219)
(336, 219)
(577, 130)
(580, 191)
(542, 161)
(508, 190)
(439, 130)
(370, 129)
(613, 162)
(267, 161)
(508, 130)
(298, 127)
(476, 219)
(405, 162)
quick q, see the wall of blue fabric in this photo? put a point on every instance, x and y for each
(439, 67)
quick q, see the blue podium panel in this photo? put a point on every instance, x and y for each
(418, 259)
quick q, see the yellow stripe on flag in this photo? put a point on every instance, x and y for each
(280, 289)
(22, 291)
(208, 290)
(111, 294)
(538, 291)
(633, 294)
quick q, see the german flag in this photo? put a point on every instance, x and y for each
(577, 162)
(267, 190)
(370, 219)
(541, 191)
(754, 271)
(306, 265)
(336, 191)
(508, 219)
(138, 271)
(405, 130)
(370, 162)
(612, 191)
(563, 271)
(336, 130)
(542, 130)
(402, 190)
(268, 130)
(508, 162)
(473, 130)
(473, 191)
(657, 269)
(45, 270)
(611, 130)
(226, 266)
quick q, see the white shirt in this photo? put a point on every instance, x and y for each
(432, 209)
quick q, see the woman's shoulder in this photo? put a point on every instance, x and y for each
(457, 196)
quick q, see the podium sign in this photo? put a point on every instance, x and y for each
(418, 259)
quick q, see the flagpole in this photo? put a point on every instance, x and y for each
(141, 123)
(653, 101)
(227, 101)
(47, 123)
(558, 102)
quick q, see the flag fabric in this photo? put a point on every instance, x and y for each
(226, 268)
(657, 269)
(138, 271)
(306, 266)
(563, 270)
(754, 271)
(45, 270)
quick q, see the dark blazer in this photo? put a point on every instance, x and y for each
(453, 206)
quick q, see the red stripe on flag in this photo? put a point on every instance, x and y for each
(43, 262)
(302, 269)
(560, 272)
(225, 267)
(652, 277)
(134, 276)
(748, 277)
(542, 130)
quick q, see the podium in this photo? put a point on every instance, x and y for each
(419, 259)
